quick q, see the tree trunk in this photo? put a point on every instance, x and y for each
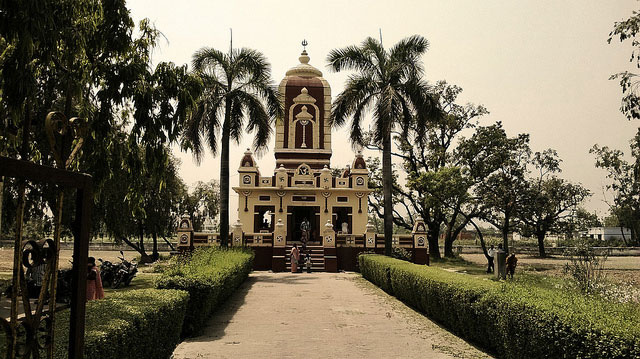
(451, 237)
(432, 237)
(141, 241)
(387, 188)
(541, 251)
(482, 244)
(505, 232)
(1, 199)
(448, 242)
(155, 255)
(224, 178)
(169, 243)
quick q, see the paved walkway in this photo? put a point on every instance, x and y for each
(320, 315)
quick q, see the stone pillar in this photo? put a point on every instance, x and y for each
(329, 244)
(237, 235)
(185, 234)
(370, 236)
(420, 244)
(279, 250)
(328, 236)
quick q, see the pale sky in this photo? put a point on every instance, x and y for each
(540, 67)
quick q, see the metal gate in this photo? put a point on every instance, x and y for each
(33, 333)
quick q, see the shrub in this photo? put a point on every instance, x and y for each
(510, 319)
(210, 276)
(585, 267)
(401, 253)
(143, 323)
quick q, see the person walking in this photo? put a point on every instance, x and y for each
(295, 258)
(491, 253)
(94, 282)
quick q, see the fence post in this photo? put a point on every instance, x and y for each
(279, 250)
(237, 235)
(420, 248)
(185, 234)
(370, 236)
(329, 244)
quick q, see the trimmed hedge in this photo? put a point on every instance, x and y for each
(511, 320)
(210, 276)
(144, 323)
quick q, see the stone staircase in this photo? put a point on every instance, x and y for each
(317, 258)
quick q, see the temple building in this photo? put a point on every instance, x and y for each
(302, 202)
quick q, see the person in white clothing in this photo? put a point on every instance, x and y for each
(491, 252)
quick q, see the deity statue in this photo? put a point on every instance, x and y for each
(304, 227)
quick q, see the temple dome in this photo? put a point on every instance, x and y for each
(303, 69)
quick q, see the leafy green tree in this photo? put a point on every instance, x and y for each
(548, 200)
(203, 202)
(435, 188)
(628, 30)
(624, 182)
(497, 166)
(238, 88)
(389, 83)
(89, 64)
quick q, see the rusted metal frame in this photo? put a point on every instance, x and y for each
(29, 171)
(84, 204)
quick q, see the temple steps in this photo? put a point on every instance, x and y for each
(317, 258)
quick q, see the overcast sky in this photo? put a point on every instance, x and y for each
(540, 67)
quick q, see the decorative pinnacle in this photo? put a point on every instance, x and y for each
(304, 44)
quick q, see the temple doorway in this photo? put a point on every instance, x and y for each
(296, 216)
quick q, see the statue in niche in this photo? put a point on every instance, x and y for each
(304, 118)
(304, 228)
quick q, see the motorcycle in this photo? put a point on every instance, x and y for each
(124, 273)
(107, 272)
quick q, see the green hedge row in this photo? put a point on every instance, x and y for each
(512, 320)
(210, 276)
(144, 323)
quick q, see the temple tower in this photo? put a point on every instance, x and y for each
(304, 134)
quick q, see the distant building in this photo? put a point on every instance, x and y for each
(606, 233)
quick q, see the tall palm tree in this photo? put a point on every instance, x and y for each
(238, 96)
(389, 83)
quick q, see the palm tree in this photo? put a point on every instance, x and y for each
(389, 83)
(238, 96)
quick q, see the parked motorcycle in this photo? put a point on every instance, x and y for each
(125, 272)
(63, 289)
(107, 272)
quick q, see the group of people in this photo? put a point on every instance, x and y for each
(297, 261)
(511, 261)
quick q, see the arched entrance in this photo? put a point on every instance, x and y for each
(296, 215)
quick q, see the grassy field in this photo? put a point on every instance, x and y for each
(620, 270)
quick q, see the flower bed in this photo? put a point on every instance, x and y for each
(510, 319)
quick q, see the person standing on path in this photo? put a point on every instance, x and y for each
(491, 253)
(295, 258)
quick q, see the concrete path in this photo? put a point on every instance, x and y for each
(320, 315)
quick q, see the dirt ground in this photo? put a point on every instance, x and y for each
(320, 315)
(623, 269)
